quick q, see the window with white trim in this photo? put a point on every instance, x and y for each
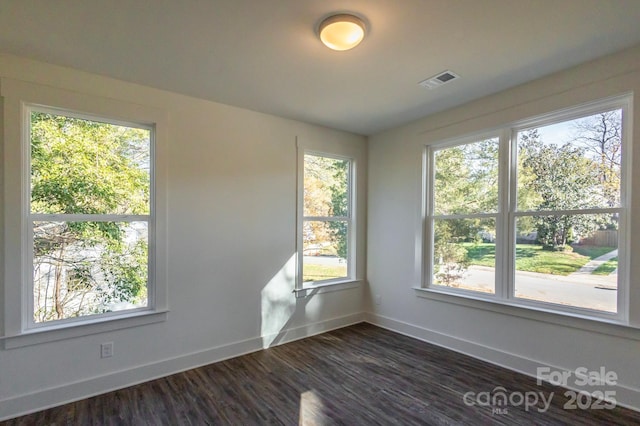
(325, 233)
(90, 216)
(534, 214)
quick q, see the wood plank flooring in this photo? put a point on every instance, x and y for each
(358, 375)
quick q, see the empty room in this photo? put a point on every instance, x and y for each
(308, 212)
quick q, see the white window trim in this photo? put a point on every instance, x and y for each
(28, 320)
(303, 289)
(503, 299)
(18, 328)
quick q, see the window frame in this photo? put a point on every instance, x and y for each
(508, 213)
(430, 204)
(20, 98)
(302, 287)
(31, 217)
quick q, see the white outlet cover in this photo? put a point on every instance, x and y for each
(106, 350)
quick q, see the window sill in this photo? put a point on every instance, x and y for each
(311, 289)
(603, 325)
(54, 333)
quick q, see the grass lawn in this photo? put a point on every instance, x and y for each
(607, 267)
(533, 259)
(592, 251)
(323, 272)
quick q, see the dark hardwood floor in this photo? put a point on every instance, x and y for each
(359, 375)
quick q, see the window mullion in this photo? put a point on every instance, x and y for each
(510, 244)
(428, 245)
(503, 222)
(27, 271)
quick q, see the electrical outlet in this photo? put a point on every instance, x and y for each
(106, 350)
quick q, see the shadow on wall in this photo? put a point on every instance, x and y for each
(279, 304)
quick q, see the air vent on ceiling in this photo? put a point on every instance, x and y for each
(439, 80)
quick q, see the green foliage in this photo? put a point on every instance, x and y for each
(87, 167)
(451, 260)
(466, 178)
(466, 181)
(452, 264)
(126, 274)
(601, 136)
(559, 178)
(326, 194)
(340, 202)
(552, 176)
(80, 166)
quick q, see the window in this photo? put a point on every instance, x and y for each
(534, 214)
(85, 214)
(325, 236)
(90, 216)
(465, 208)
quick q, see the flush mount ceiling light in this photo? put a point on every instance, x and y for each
(342, 31)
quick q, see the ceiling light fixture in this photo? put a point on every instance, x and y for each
(342, 31)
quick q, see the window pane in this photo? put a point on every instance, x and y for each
(466, 178)
(570, 260)
(464, 254)
(87, 268)
(571, 165)
(324, 250)
(326, 183)
(87, 167)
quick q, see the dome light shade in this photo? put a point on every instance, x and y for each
(341, 32)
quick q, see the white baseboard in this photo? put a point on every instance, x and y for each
(625, 395)
(70, 392)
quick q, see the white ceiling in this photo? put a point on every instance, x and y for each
(264, 55)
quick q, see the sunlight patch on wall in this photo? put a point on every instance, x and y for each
(278, 302)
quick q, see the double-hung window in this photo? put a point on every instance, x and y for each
(534, 214)
(464, 212)
(90, 216)
(85, 208)
(325, 234)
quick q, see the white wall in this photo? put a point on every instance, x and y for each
(394, 227)
(231, 237)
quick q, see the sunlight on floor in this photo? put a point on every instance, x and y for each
(311, 409)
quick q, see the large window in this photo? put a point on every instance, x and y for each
(533, 214)
(326, 250)
(89, 216)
